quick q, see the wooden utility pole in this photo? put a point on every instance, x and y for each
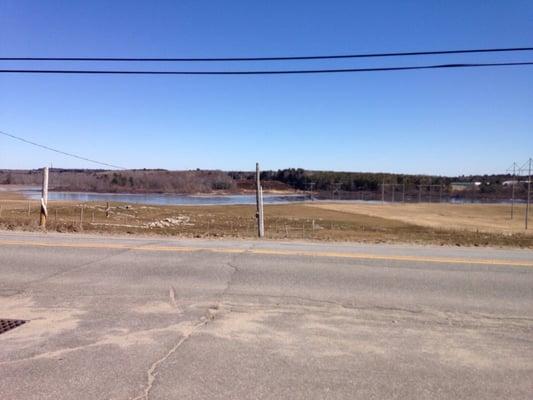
(44, 199)
(513, 182)
(528, 192)
(259, 198)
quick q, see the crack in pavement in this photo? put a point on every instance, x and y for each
(152, 371)
(211, 313)
(233, 265)
(106, 340)
(444, 314)
(88, 264)
(77, 268)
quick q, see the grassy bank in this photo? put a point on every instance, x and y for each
(291, 221)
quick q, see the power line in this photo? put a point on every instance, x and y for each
(282, 58)
(259, 72)
(60, 151)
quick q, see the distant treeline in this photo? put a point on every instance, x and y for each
(129, 181)
(301, 179)
(396, 187)
(207, 181)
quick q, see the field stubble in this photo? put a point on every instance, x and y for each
(423, 224)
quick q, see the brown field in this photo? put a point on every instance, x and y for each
(478, 225)
(494, 218)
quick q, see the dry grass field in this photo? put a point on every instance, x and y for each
(479, 225)
(495, 218)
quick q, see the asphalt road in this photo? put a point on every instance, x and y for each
(141, 318)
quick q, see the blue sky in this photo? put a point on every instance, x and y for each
(434, 122)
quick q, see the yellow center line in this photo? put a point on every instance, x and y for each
(278, 252)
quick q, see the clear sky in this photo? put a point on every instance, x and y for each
(434, 122)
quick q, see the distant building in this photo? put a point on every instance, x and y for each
(462, 186)
(509, 183)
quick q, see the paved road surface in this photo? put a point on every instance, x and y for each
(123, 318)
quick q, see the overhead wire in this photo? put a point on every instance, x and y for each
(265, 72)
(276, 58)
(60, 151)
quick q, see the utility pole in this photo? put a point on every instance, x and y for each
(259, 198)
(528, 191)
(383, 191)
(44, 199)
(512, 187)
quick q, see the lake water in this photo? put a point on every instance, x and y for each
(34, 193)
(165, 199)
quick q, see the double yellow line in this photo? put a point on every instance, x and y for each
(273, 252)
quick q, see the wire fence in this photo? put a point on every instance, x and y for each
(480, 225)
(240, 221)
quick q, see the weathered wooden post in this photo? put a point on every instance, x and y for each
(528, 193)
(259, 198)
(44, 200)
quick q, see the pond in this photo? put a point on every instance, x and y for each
(166, 199)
